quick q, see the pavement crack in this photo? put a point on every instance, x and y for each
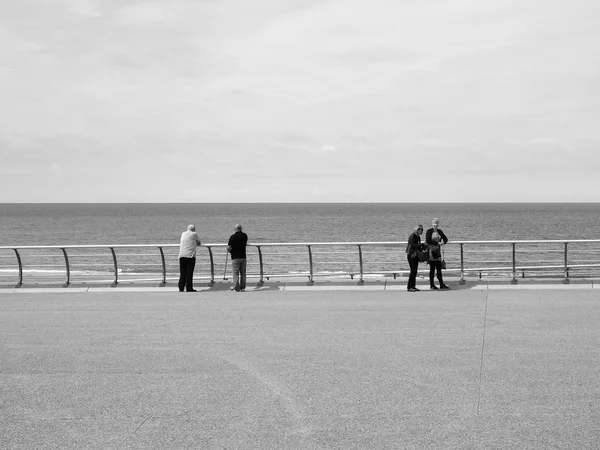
(135, 431)
(482, 353)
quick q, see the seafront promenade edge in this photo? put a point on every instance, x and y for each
(295, 284)
(301, 367)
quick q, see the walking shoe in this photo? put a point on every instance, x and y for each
(433, 287)
(444, 287)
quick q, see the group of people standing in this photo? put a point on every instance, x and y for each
(236, 246)
(434, 240)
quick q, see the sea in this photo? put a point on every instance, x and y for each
(161, 223)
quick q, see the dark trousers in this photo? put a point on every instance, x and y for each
(412, 278)
(186, 273)
(239, 273)
(433, 266)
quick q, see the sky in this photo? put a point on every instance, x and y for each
(299, 101)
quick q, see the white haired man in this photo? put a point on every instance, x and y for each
(237, 247)
(187, 258)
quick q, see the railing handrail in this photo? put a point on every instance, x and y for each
(514, 265)
(300, 244)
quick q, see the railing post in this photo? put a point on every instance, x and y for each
(566, 280)
(360, 262)
(514, 264)
(310, 264)
(260, 263)
(212, 267)
(462, 266)
(164, 268)
(20, 283)
(114, 255)
(68, 269)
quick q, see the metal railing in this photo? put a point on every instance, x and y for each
(125, 263)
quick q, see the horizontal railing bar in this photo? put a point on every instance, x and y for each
(329, 244)
(270, 263)
(476, 268)
(293, 275)
(509, 268)
(336, 252)
(148, 264)
(297, 244)
(324, 263)
(35, 266)
(103, 264)
(471, 269)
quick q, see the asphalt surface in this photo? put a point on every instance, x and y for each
(301, 368)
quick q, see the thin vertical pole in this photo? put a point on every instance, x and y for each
(67, 268)
(212, 267)
(566, 280)
(360, 261)
(260, 262)
(164, 267)
(462, 265)
(114, 255)
(514, 264)
(310, 265)
(20, 283)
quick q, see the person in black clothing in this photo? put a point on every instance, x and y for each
(435, 238)
(237, 247)
(414, 244)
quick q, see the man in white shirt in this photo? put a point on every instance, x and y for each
(187, 258)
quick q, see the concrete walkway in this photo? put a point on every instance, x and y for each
(362, 368)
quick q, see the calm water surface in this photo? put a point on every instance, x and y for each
(71, 224)
(53, 224)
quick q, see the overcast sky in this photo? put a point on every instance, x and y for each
(299, 100)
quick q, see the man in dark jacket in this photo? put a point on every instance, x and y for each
(414, 244)
(237, 247)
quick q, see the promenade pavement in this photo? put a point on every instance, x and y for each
(288, 366)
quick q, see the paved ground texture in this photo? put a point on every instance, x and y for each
(301, 369)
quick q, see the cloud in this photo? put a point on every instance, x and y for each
(536, 142)
(54, 169)
(329, 148)
(147, 13)
(320, 191)
(431, 142)
(292, 141)
(207, 194)
(86, 8)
